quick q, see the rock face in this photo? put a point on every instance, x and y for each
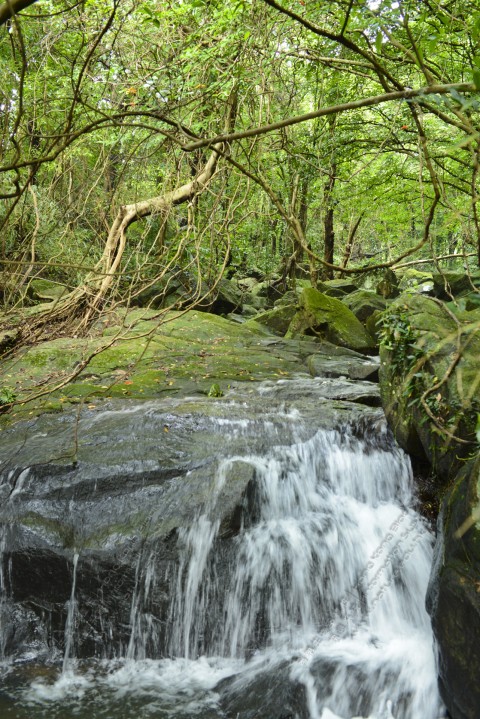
(430, 386)
(92, 493)
(429, 379)
(329, 318)
(453, 599)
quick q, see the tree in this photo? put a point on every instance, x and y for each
(353, 123)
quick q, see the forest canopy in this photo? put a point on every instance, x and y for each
(140, 139)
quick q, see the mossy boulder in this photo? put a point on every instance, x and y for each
(328, 318)
(41, 290)
(453, 598)
(416, 281)
(161, 293)
(364, 303)
(289, 298)
(455, 284)
(277, 320)
(144, 354)
(429, 379)
(382, 281)
(228, 298)
(337, 288)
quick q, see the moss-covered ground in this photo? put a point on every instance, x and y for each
(143, 354)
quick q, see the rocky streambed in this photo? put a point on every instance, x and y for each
(131, 490)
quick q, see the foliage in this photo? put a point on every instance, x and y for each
(7, 396)
(101, 102)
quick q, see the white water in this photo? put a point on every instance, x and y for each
(328, 575)
(333, 574)
(68, 663)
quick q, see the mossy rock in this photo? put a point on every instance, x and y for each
(416, 281)
(337, 288)
(158, 294)
(455, 284)
(289, 298)
(228, 298)
(144, 355)
(40, 290)
(453, 598)
(373, 325)
(329, 318)
(431, 394)
(364, 303)
(383, 282)
(277, 320)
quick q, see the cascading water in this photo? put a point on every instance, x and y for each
(332, 572)
(316, 611)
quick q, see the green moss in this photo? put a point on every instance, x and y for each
(183, 352)
(328, 317)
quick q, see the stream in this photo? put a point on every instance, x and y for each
(307, 604)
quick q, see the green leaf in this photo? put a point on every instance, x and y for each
(215, 391)
(378, 42)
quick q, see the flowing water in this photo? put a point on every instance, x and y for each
(320, 615)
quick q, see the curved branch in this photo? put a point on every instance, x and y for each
(333, 110)
(12, 7)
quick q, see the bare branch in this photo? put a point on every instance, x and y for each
(335, 109)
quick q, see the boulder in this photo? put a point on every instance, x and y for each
(327, 366)
(415, 281)
(289, 298)
(383, 281)
(364, 303)
(109, 491)
(277, 320)
(453, 598)
(455, 284)
(430, 388)
(337, 288)
(228, 298)
(328, 318)
(246, 284)
(161, 293)
(41, 290)
(268, 289)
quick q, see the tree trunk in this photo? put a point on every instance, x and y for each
(351, 239)
(329, 234)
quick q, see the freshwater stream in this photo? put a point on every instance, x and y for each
(319, 616)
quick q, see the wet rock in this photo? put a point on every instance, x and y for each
(267, 692)
(328, 366)
(453, 598)
(113, 484)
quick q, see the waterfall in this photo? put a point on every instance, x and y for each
(70, 621)
(310, 607)
(331, 570)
